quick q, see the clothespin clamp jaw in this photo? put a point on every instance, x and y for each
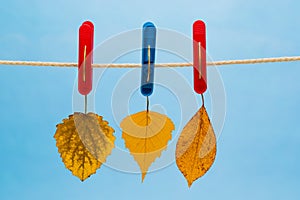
(85, 57)
(148, 58)
(199, 55)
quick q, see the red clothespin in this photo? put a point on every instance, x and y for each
(85, 57)
(199, 47)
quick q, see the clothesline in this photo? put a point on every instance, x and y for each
(132, 65)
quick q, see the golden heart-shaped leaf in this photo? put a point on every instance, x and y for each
(146, 135)
(84, 141)
(196, 147)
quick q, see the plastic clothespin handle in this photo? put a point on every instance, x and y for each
(199, 51)
(85, 58)
(148, 58)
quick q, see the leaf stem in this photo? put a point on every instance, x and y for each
(147, 104)
(85, 104)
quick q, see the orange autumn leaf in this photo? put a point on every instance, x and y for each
(196, 147)
(84, 141)
(146, 135)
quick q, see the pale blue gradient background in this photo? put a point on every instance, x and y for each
(258, 151)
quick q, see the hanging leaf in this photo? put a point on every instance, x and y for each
(84, 141)
(146, 135)
(196, 147)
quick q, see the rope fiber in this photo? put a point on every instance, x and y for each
(132, 65)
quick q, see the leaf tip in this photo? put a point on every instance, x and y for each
(143, 176)
(190, 183)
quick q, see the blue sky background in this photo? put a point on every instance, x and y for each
(258, 150)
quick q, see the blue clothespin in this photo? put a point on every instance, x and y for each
(148, 58)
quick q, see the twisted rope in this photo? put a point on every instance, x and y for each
(132, 65)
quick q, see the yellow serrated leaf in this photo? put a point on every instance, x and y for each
(146, 135)
(196, 147)
(84, 141)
